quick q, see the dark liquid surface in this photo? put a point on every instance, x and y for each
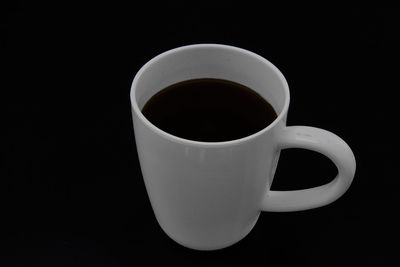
(209, 110)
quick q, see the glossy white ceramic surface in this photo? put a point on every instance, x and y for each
(209, 195)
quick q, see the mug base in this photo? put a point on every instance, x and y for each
(223, 245)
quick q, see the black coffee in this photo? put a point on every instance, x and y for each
(209, 110)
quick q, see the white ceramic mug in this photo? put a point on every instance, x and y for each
(209, 195)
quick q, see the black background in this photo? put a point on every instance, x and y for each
(72, 193)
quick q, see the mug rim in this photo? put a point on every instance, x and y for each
(185, 141)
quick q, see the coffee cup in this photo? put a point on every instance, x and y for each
(209, 195)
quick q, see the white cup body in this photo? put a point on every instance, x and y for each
(208, 195)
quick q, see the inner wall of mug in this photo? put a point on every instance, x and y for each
(211, 61)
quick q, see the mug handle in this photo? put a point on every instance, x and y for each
(327, 144)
